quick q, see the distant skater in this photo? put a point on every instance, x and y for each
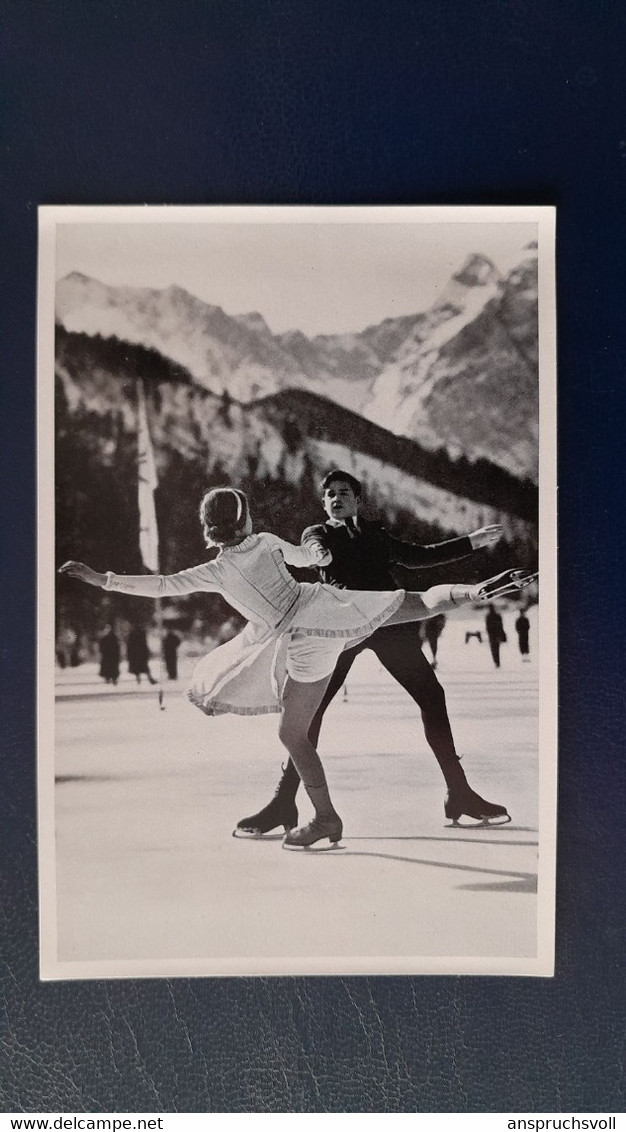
(170, 654)
(110, 656)
(433, 628)
(282, 661)
(522, 628)
(495, 633)
(138, 655)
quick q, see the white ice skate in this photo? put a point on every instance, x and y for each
(508, 582)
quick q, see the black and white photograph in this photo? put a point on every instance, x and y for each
(297, 591)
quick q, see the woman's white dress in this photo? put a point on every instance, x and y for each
(294, 628)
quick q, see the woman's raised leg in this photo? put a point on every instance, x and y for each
(441, 599)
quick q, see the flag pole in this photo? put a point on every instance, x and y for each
(148, 531)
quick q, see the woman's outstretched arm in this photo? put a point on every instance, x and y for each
(85, 573)
(146, 585)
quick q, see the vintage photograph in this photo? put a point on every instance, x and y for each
(297, 591)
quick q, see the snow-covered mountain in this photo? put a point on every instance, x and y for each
(466, 377)
(461, 376)
(220, 352)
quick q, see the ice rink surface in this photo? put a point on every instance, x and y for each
(146, 800)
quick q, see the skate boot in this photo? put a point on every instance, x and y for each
(282, 809)
(329, 826)
(508, 582)
(463, 801)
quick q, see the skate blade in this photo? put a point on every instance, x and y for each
(480, 823)
(511, 587)
(314, 848)
(256, 835)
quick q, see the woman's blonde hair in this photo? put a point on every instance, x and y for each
(224, 513)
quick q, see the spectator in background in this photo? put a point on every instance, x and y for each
(109, 656)
(138, 655)
(495, 633)
(170, 654)
(522, 628)
(433, 629)
(65, 648)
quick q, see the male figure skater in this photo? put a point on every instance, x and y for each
(362, 554)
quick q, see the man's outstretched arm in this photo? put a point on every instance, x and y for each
(413, 556)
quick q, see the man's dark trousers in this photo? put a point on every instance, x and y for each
(399, 650)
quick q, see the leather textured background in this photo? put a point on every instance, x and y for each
(410, 101)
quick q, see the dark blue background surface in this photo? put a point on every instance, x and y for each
(269, 101)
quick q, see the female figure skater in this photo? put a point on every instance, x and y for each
(283, 659)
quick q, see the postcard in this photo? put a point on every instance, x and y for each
(297, 591)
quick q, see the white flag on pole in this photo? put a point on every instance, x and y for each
(147, 477)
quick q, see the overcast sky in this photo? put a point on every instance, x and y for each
(318, 277)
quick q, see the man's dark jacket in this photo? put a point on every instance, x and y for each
(364, 552)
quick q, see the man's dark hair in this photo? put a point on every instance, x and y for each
(337, 474)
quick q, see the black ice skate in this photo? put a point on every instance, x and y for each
(462, 801)
(280, 811)
(316, 830)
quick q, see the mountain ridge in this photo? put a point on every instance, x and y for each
(461, 375)
(99, 376)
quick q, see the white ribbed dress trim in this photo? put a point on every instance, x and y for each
(220, 707)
